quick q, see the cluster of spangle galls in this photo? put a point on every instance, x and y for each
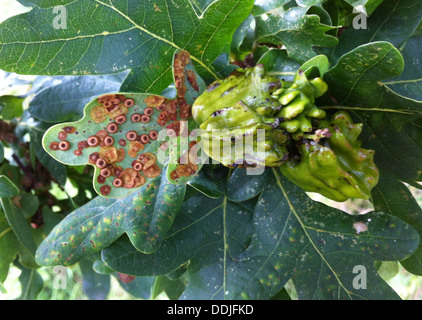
(114, 108)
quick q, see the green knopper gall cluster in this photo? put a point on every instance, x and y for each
(315, 153)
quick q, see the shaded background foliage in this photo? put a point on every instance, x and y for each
(258, 237)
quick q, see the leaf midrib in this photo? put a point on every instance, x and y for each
(376, 62)
(107, 33)
(304, 227)
(135, 25)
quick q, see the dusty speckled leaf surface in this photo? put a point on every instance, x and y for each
(251, 249)
(145, 216)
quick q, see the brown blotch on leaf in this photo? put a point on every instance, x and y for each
(148, 111)
(139, 180)
(184, 109)
(93, 157)
(134, 148)
(144, 138)
(192, 79)
(150, 168)
(137, 165)
(128, 177)
(162, 118)
(77, 152)
(152, 171)
(154, 101)
(69, 129)
(62, 135)
(118, 111)
(173, 129)
(122, 142)
(101, 134)
(82, 145)
(164, 146)
(153, 134)
(100, 179)
(109, 153)
(117, 170)
(54, 146)
(98, 113)
(186, 163)
(120, 155)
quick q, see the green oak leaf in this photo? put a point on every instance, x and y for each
(8, 246)
(11, 107)
(409, 82)
(198, 236)
(308, 3)
(31, 282)
(145, 216)
(7, 187)
(296, 30)
(17, 220)
(389, 119)
(317, 247)
(66, 97)
(278, 63)
(384, 24)
(393, 197)
(96, 286)
(145, 47)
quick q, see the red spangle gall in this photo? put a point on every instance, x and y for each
(148, 111)
(112, 127)
(108, 141)
(129, 102)
(105, 172)
(105, 190)
(144, 138)
(131, 135)
(117, 182)
(120, 119)
(101, 163)
(64, 145)
(145, 119)
(136, 117)
(153, 134)
(93, 141)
